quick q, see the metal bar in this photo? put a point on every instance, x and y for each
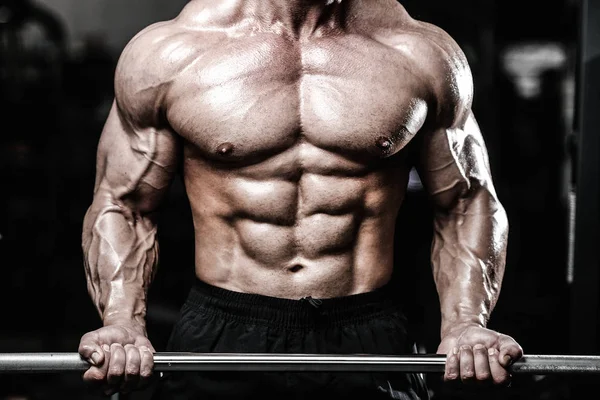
(164, 362)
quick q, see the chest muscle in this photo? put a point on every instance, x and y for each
(245, 103)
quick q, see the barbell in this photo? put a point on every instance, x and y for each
(418, 363)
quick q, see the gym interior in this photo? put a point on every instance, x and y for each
(536, 69)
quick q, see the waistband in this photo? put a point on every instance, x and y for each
(305, 312)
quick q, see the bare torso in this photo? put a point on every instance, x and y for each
(293, 158)
(293, 161)
(293, 154)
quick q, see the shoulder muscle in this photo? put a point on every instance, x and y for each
(146, 67)
(442, 66)
(452, 79)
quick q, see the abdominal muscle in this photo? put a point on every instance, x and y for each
(290, 237)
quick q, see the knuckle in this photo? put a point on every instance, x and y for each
(84, 344)
(115, 371)
(451, 377)
(484, 376)
(116, 346)
(467, 375)
(146, 374)
(86, 347)
(479, 348)
(519, 352)
(132, 370)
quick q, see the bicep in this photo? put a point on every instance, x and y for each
(135, 165)
(453, 163)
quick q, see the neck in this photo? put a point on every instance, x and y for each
(299, 17)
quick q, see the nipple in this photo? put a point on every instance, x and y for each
(383, 143)
(225, 149)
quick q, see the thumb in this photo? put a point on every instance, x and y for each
(91, 351)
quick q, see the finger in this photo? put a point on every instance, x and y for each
(90, 349)
(132, 368)
(96, 375)
(500, 375)
(144, 342)
(482, 363)
(510, 351)
(452, 366)
(116, 370)
(467, 364)
(146, 365)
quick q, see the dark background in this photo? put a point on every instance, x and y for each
(57, 59)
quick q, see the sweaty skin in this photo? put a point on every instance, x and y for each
(296, 123)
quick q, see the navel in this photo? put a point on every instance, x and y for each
(225, 149)
(296, 268)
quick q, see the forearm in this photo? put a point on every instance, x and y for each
(120, 253)
(468, 257)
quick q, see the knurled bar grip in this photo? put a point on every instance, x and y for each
(164, 362)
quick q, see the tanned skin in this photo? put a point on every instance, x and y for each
(297, 123)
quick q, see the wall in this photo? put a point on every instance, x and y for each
(114, 21)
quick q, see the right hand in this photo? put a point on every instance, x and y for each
(121, 358)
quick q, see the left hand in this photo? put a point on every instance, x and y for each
(478, 355)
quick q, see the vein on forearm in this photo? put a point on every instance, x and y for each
(119, 243)
(468, 256)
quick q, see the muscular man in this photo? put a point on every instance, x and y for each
(296, 123)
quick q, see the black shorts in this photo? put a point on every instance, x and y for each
(214, 320)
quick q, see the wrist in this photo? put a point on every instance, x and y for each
(129, 310)
(456, 326)
(137, 323)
